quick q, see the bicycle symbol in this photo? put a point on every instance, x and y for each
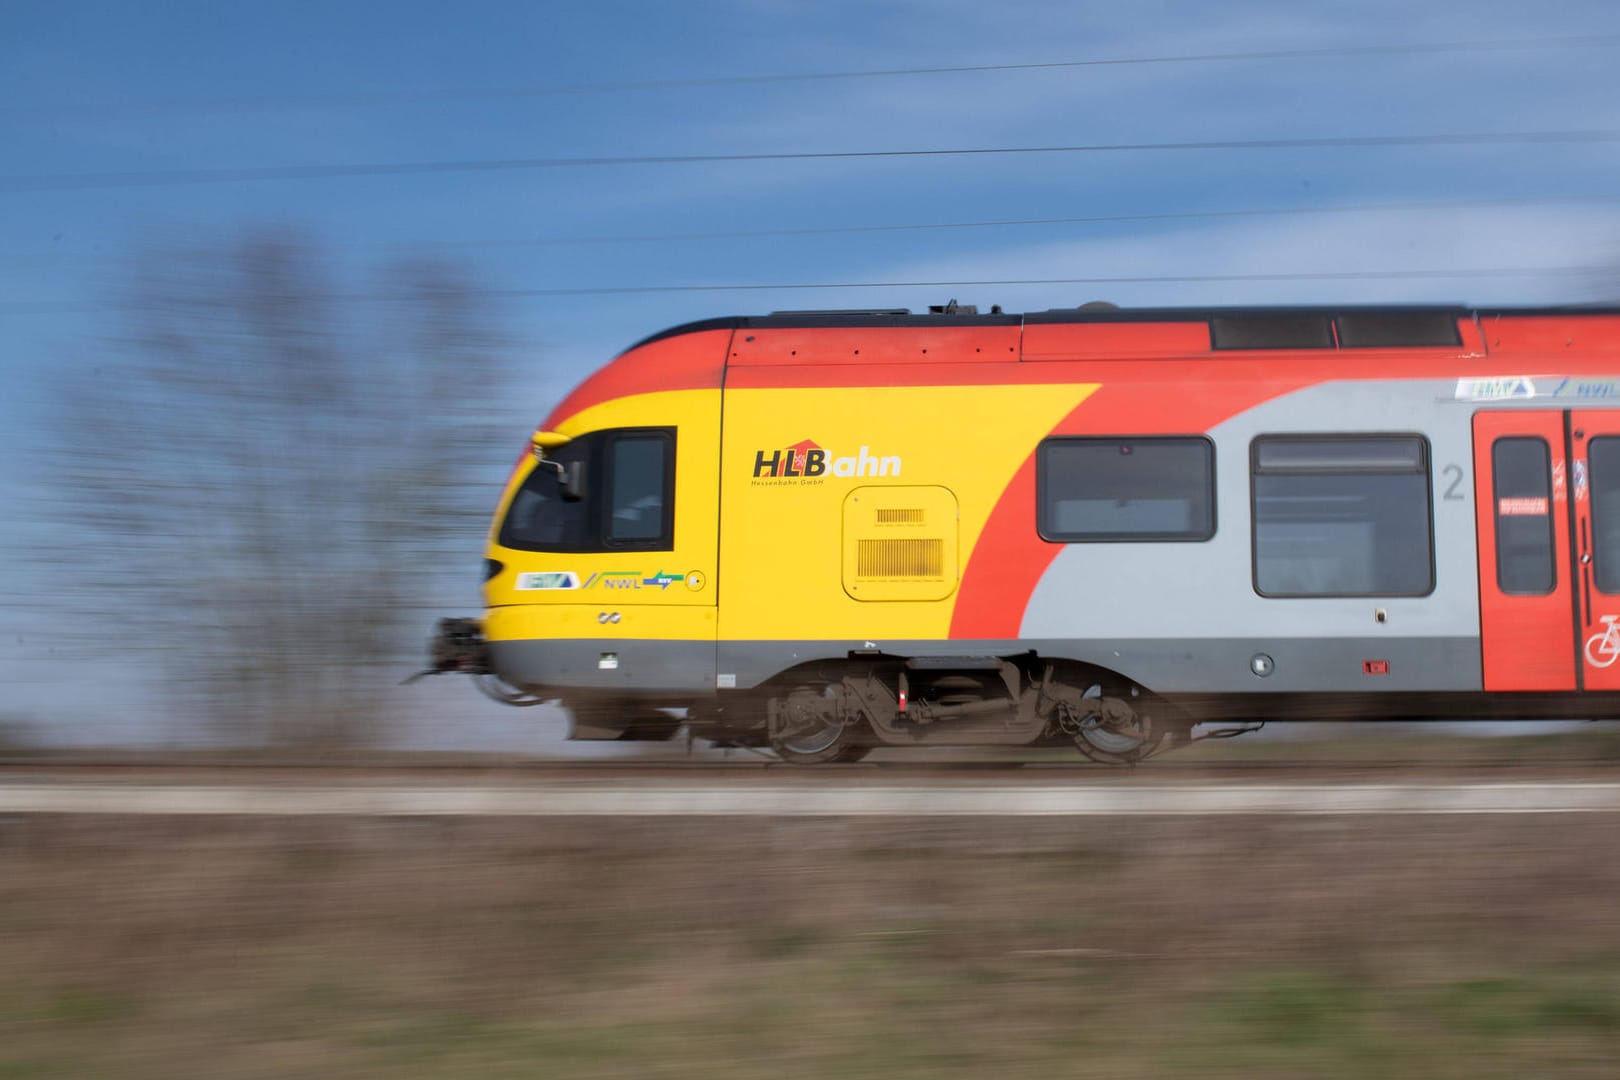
(1603, 648)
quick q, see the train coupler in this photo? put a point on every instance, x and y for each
(458, 645)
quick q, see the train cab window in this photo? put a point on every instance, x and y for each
(1125, 488)
(626, 501)
(1342, 515)
(640, 479)
(1603, 463)
(541, 518)
(1522, 471)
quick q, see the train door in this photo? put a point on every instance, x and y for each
(1547, 502)
(1595, 457)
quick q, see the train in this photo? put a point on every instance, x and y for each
(1118, 530)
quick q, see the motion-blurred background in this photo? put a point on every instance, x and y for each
(283, 288)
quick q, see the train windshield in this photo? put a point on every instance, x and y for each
(623, 497)
(541, 517)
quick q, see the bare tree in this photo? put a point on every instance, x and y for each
(269, 476)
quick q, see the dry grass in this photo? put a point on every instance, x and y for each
(1014, 948)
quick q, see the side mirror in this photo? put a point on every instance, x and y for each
(547, 440)
(573, 481)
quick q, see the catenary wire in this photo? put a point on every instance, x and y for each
(1412, 206)
(1094, 219)
(74, 307)
(187, 177)
(1593, 41)
(1144, 279)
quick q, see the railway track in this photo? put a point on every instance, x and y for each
(703, 798)
(751, 770)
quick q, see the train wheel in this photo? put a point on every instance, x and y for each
(1111, 731)
(827, 747)
(1111, 747)
(811, 730)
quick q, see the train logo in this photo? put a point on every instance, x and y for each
(633, 579)
(547, 579)
(808, 459)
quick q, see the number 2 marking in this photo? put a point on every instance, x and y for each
(1456, 474)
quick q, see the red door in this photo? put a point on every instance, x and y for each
(1526, 595)
(1595, 483)
(1547, 506)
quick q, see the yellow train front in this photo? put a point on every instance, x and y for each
(602, 562)
(824, 532)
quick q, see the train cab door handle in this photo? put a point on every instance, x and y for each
(1586, 558)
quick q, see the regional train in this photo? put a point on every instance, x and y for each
(816, 533)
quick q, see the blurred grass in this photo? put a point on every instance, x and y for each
(1440, 947)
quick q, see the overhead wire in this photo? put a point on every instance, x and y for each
(187, 177)
(1142, 279)
(75, 307)
(1417, 205)
(369, 100)
(1407, 206)
(181, 177)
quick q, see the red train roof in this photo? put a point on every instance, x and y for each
(981, 347)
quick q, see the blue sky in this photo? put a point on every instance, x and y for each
(91, 88)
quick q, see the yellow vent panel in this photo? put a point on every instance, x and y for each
(900, 543)
(900, 559)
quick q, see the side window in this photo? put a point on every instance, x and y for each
(1522, 471)
(1125, 488)
(640, 481)
(1603, 463)
(626, 500)
(1342, 515)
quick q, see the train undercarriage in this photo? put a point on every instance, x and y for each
(838, 712)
